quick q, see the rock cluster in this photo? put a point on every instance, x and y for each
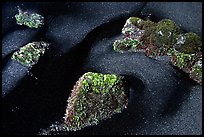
(160, 39)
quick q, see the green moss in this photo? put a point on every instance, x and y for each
(188, 43)
(127, 44)
(29, 54)
(32, 20)
(99, 83)
(96, 97)
(166, 33)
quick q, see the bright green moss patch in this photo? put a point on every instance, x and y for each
(99, 83)
(95, 97)
(29, 54)
(32, 20)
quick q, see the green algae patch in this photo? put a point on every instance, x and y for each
(32, 20)
(94, 97)
(29, 54)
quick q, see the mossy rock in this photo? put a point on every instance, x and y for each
(32, 20)
(29, 54)
(188, 43)
(95, 97)
(162, 38)
(166, 33)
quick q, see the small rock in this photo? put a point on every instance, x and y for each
(95, 97)
(29, 54)
(32, 20)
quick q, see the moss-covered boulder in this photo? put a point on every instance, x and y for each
(32, 20)
(95, 97)
(29, 54)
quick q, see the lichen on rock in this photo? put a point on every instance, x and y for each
(32, 20)
(95, 97)
(29, 54)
